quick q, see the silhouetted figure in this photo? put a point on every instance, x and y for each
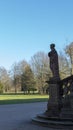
(54, 66)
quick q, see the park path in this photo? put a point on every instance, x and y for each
(19, 116)
(13, 117)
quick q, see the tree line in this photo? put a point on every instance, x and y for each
(32, 77)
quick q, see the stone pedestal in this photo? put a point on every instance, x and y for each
(60, 105)
(54, 102)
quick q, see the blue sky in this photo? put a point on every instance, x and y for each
(29, 26)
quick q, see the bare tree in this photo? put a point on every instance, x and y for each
(40, 67)
(16, 72)
(5, 79)
(69, 52)
(64, 68)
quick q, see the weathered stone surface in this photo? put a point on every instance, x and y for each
(53, 106)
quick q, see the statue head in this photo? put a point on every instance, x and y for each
(52, 46)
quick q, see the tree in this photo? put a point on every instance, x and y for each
(69, 51)
(15, 75)
(64, 68)
(5, 79)
(1, 88)
(41, 70)
(16, 72)
(27, 80)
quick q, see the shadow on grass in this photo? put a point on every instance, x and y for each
(20, 101)
(19, 94)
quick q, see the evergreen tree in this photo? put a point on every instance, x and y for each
(27, 80)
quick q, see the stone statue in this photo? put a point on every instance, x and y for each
(54, 66)
(60, 104)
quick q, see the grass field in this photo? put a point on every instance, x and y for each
(15, 99)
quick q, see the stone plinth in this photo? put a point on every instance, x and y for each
(54, 102)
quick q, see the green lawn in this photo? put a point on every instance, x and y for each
(15, 99)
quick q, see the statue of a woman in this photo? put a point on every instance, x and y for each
(54, 66)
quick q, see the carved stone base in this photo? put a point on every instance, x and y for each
(54, 102)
